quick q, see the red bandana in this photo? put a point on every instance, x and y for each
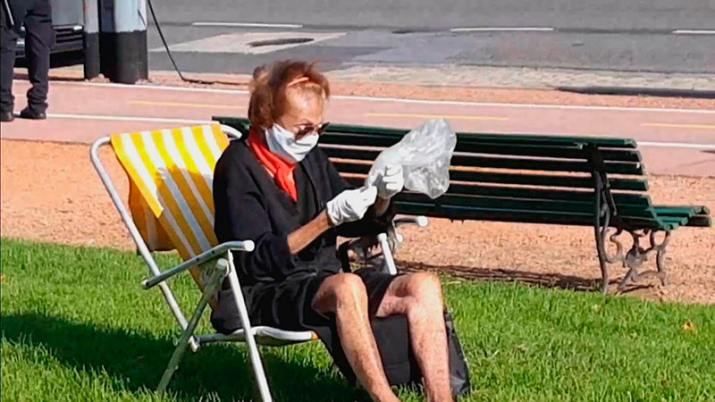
(281, 170)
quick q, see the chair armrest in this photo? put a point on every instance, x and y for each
(404, 220)
(397, 222)
(204, 257)
(388, 241)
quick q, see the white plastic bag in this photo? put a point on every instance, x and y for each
(424, 154)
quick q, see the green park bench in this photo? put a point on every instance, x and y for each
(585, 181)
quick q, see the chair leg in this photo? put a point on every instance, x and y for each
(253, 352)
(211, 288)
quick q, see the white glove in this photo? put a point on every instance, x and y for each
(390, 182)
(350, 205)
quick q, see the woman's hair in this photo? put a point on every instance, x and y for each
(269, 85)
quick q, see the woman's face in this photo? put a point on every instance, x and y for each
(304, 112)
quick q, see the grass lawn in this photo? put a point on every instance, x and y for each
(77, 327)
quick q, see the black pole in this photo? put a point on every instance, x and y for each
(91, 39)
(123, 40)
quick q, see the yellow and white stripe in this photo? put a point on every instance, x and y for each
(171, 178)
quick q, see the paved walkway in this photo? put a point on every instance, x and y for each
(673, 141)
(524, 77)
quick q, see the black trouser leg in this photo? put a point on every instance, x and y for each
(8, 44)
(39, 38)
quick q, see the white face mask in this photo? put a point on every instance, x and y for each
(283, 143)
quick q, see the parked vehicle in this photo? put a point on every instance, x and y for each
(68, 21)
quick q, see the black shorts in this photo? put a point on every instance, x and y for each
(287, 305)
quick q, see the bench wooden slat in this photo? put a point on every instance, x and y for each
(698, 209)
(543, 164)
(638, 223)
(471, 160)
(530, 193)
(514, 178)
(697, 215)
(702, 221)
(500, 215)
(491, 214)
(545, 151)
(546, 194)
(501, 203)
(612, 142)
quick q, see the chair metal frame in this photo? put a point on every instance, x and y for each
(217, 264)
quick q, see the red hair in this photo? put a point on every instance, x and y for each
(269, 85)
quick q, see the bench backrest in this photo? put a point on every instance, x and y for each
(523, 178)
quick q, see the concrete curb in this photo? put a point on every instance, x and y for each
(639, 91)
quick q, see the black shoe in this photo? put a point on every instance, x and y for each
(28, 113)
(7, 117)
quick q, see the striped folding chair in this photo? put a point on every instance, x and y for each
(170, 207)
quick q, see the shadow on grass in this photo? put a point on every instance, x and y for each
(138, 360)
(545, 280)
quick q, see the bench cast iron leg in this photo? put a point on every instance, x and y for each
(637, 255)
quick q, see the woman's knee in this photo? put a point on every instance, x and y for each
(425, 288)
(339, 289)
(348, 285)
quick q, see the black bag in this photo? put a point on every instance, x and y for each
(392, 336)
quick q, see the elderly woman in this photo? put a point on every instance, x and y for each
(281, 191)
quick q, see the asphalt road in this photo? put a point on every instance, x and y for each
(637, 35)
(583, 15)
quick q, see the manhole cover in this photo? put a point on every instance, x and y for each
(279, 42)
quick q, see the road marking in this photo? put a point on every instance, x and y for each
(521, 105)
(676, 145)
(185, 104)
(246, 25)
(187, 121)
(124, 118)
(670, 125)
(252, 42)
(694, 32)
(388, 99)
(437, 116)
(502, 29)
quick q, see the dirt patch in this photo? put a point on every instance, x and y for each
(50, 192)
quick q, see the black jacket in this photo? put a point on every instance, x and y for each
(249, 206)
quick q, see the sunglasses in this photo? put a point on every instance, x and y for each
(309, 129)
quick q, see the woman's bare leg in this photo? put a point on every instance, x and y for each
(419, 297)
(345, 295)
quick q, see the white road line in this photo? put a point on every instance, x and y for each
(520, 105)
(246, 25)
(694, 32)
(398, 100)
(676, 145)
(123, 118)
(502, 29)
(188, 121)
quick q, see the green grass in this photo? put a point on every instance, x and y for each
(77, 327)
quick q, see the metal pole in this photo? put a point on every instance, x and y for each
(91, 39)
(123, 40)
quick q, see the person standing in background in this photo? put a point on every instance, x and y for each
(36, 17)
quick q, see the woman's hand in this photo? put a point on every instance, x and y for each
(350, 205)
(390, 182)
